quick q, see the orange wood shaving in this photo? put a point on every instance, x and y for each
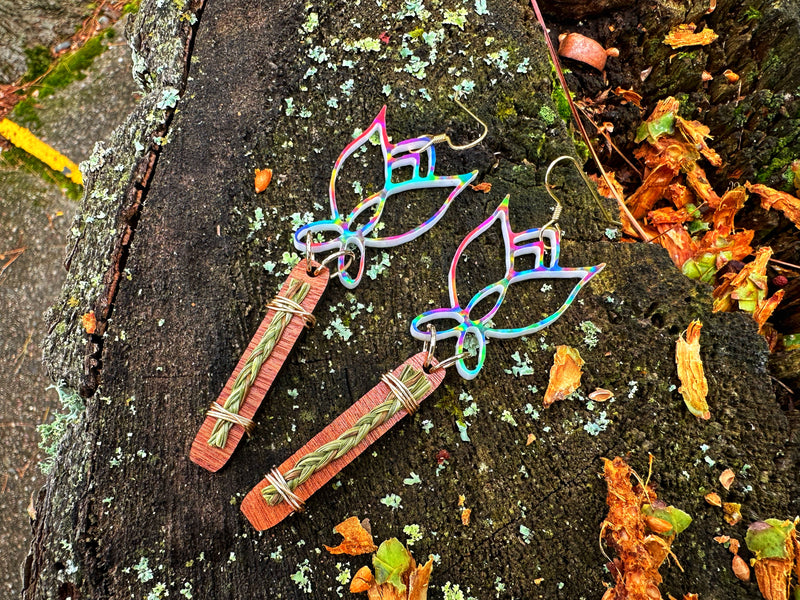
(362, 581)
(765, 309)
(263, 177)
(652, 190)
(786, 203)
(694, 387)
(635, 571)
(89, 322)
(465, 516)
(684, 35)
(696, 133)
(483, 186)
(565, 375)
(357, 540)
(730, 203)
(629, 96)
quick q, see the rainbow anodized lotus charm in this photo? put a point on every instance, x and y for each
(407, 153)
(530, 241)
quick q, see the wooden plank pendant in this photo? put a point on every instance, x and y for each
(285, 489)
(230, 417)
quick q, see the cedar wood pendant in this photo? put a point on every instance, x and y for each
(231, 415)
(285, 489)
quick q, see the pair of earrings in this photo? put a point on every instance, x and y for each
(286, 488)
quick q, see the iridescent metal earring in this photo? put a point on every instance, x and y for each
(286, 488)
(231, 415)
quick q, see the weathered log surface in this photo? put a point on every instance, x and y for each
(184, 258)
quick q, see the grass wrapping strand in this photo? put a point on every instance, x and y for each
(296, 291)
(417, 384)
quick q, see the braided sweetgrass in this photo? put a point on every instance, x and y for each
(296, 292)
(417, 384)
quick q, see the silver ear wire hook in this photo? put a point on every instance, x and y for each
(553, 222)
(443, 137)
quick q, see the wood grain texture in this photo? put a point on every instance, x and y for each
(263, 516)
(213, 458)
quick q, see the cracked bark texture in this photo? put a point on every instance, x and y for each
(189, 256)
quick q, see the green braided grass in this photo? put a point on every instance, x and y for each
(417, 384)
(297, 291)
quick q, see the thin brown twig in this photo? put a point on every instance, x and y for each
(21, 356)
(577, 118)
(784, 264)
(611, 143)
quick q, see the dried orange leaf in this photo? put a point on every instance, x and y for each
(418, 581)
(679, 194)
(696, 179)
(706, 76)
(565, 375)
(603, 187)
(690, 596)
(740, 568)
(730, 204)
(357, 540)
(734, 547)
(765, 308)
(730, 76)
(465, 515)
(786, 203)
(362, 580)
(483, 186)
(677, 242)
(601, 395)
(461, 499)
(748, 287)
(89, 322)
(696, 133)
(530, 440)
(538, 581)
(714, 500)
(694, 387)
(732, 512)
(722, 539)
(684, 35)
(726, 478)
(629, 96)
(263, 177)
(652, 190)
(712, 7)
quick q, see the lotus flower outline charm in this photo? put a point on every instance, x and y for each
(404, 154)
(530, 241)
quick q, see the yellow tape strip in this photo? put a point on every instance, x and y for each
(24, 139)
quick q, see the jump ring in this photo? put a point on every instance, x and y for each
(449, 362)
(429, 347)
(309, 252)
(348, 253)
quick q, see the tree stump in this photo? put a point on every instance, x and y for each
(177, 257)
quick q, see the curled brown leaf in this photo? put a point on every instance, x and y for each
(565, 375)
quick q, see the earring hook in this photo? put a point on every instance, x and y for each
(553, 222)
(443, 137)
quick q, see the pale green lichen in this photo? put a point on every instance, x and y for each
(393, 501)
(52, 433)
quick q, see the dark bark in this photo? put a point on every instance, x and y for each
(193, 289)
